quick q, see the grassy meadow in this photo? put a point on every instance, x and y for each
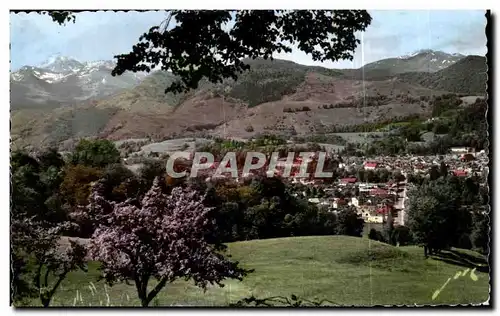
(345, 270)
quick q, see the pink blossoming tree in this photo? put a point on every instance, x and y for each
(161, 237)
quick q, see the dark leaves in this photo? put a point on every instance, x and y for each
(61, 17)
(202, 45)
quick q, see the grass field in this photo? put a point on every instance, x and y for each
(345, 270)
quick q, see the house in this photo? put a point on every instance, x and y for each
(379, 192)
(338, 201)
(384, 210)
(467, 157)
(419, 168)
(459, 173)
(345, 181)
(461, 150)
(368, 215)
(371, 165)
(314, 200)
(378, 219)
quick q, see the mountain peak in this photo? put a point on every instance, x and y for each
(59, 63)
(430, 52)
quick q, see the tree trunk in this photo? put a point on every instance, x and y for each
(45, 301)
(141, 286)
(144, 302)
(425, 251)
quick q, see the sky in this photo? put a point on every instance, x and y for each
(101, 35)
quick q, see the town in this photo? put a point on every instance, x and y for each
(358, 185)
(243, 158)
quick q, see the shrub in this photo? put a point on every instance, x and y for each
(376, 235)
(95, 153)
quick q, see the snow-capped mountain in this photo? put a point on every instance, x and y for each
(420, 61)
(435, 60)
(65, 81)
(59, 63)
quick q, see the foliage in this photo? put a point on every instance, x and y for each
(411, 132)
(349, 222)
(200, 45)
(266, 82)
(265, 208)
(435, 215)
(162, 237)
(61, 17)
(467, 76)
(321, 138)
(37, 220)
(391, 145)
(95, 153)
(39, 240)
(444, 103)
(76, 186)
(480, 235)
(389, 228)
(376, 235)
(120, 183)
(402, 235)
(375, 126)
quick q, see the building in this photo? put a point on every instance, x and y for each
(460, 173)
(369, 214)
(338, 202)
(384, 209)
(371, 165)
(379, 192)
(461, 150)
(467, 157)
(345, 181)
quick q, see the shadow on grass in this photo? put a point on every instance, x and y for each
(462, 259)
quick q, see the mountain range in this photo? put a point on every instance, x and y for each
(61, 81)
(63, 99)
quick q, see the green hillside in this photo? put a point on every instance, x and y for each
(268, 81)
(468, 76)
(344, 270)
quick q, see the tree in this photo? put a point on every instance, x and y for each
(36, 227)
(443, 169)
(481, 232)
(50, 157)
(349, 222)
(76, 186)
(150, 170)
(411, 133)
(39, 241)
(95, 153)
(434, 173)
(402, 235)
(201, 45)
(435, 215)
(120, 183)
(389, 228)
(161, 237)
(376, 235)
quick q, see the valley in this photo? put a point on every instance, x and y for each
(64, 100)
